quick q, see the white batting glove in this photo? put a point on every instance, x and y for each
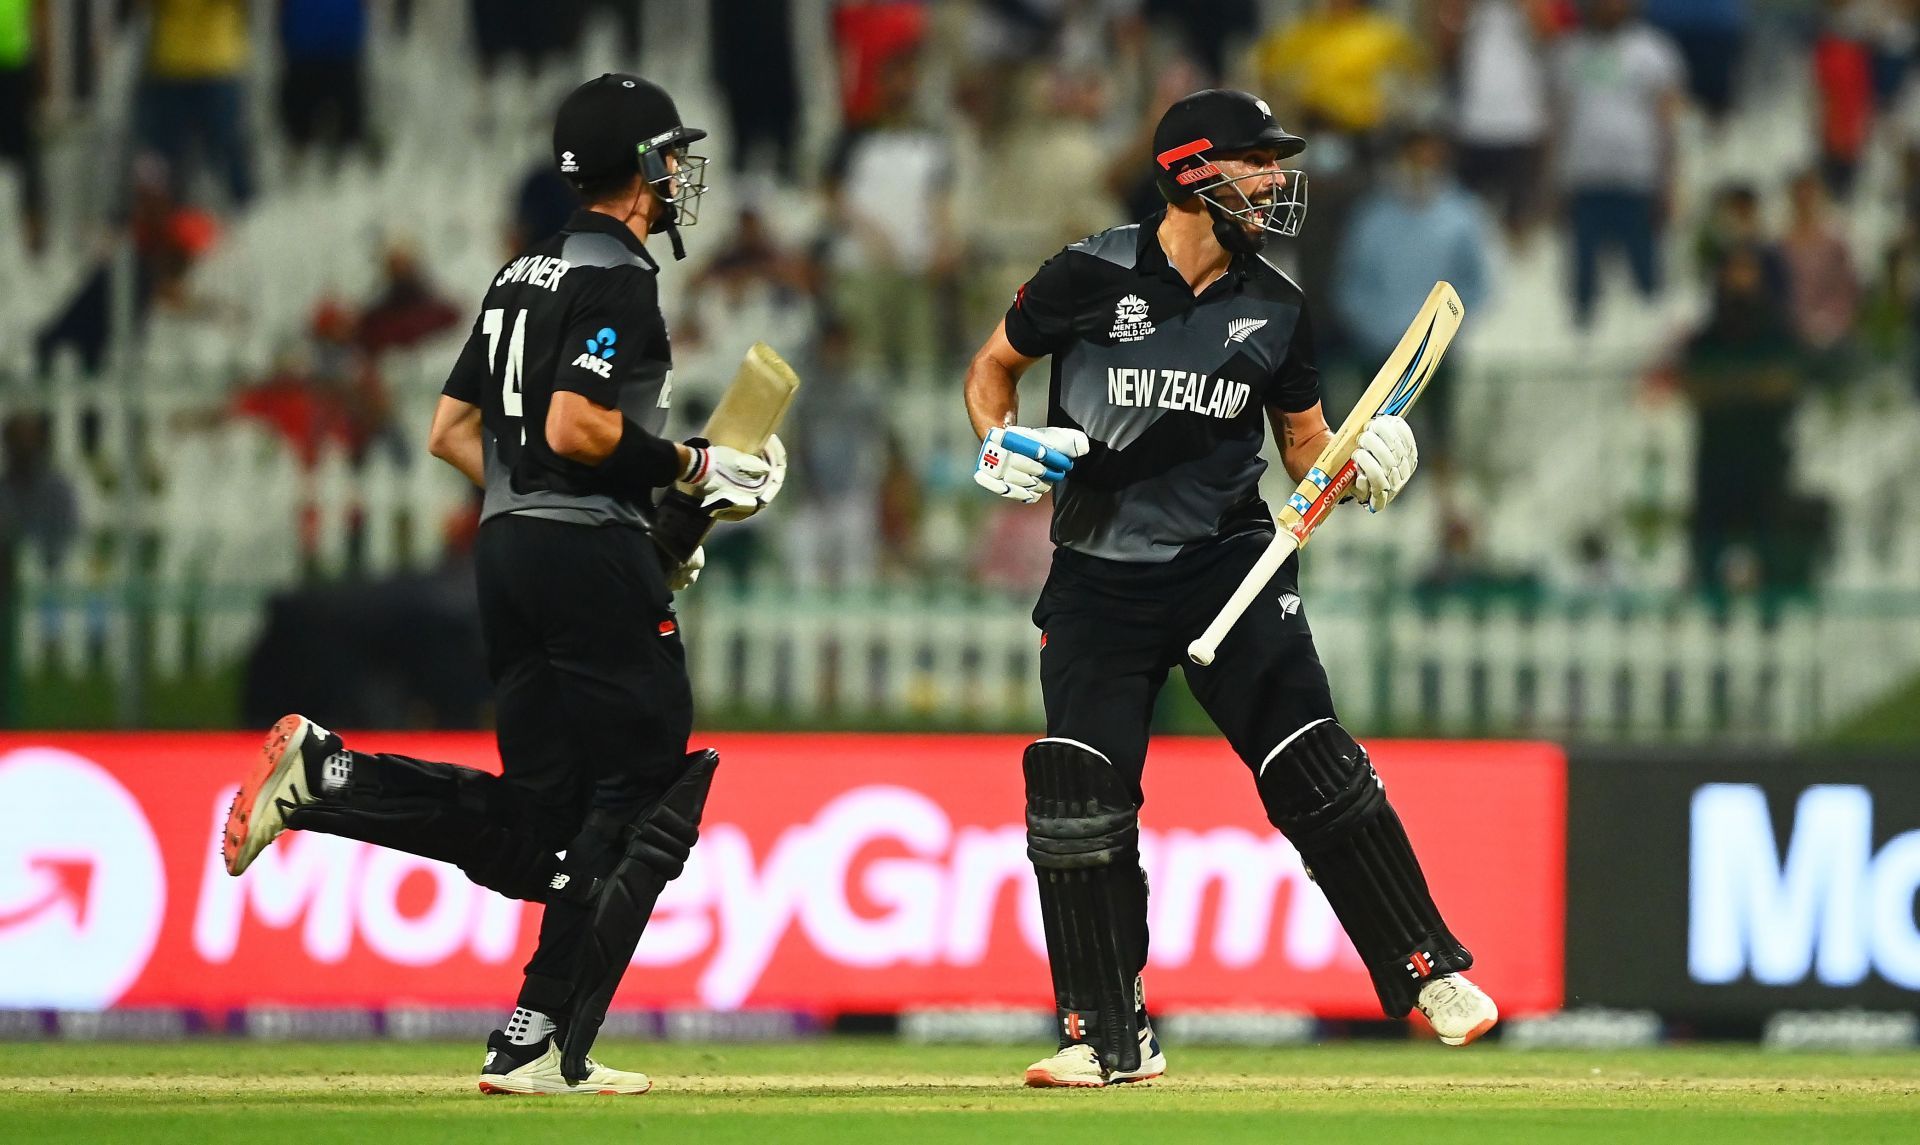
(688, 571)
(732, 484)
(1386, 457)
(1022, 464)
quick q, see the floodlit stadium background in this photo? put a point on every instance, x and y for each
(1646, 627)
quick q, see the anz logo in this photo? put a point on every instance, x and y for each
(599, 356)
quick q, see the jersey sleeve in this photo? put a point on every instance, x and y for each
(1040, 321)
(613, 319)
(1295, 386)
(468, 380)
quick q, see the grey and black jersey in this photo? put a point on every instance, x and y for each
(1171, 388)
(579, 311)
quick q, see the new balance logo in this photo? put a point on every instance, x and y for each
(559, 883)
(1240, 329)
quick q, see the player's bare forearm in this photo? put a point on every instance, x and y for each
(580, 429)
(1302, 436)
(993, 378)
(455, 438)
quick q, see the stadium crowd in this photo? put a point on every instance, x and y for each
(1448, 139)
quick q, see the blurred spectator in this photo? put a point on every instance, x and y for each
(749, 257)
(1502, 114)
(1712, 38)
(408, 310)
(870, 38)
(751, 53)
(323, 45)
(39, 512)
(1823, 290)
(1843, 75)
(1887, 27)
(540, 206)
(1618, 85)
(1734, 223)
(1339, 65)
(1130, 170)
(165, 239)
(1054, 137)
(889, 188)
(19, 100)
(193, 95)
(1207, 30)
(1739, 372)
(529, 33)
(324, 395)
(1417, 228)
(832, 531)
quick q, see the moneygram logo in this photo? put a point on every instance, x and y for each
(82, 889)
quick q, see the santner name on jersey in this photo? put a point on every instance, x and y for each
(1170, 388)
(579, 313)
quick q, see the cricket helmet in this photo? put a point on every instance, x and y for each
(1201, 127)
(620, 124)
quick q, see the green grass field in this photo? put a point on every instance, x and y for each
(859, 1090)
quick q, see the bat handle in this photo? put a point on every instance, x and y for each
(1284, 545)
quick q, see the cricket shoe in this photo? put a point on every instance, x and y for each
(295, 753)
(1457, 1010)
(535, 1069)
(1078, 1066)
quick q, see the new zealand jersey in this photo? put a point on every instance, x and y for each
(579, 311)
(1170, 388)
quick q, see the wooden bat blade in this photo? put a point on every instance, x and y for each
(751, 409)
(1394, 389)
(747, 415)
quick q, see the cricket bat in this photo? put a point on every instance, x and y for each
(1406, 372)
(748, 414)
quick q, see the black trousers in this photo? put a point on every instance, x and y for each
(593, 709)
(1112, 631)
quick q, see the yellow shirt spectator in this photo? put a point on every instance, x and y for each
(1338, 64)
(198, 39)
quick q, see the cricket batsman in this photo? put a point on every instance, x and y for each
(555, 408)
(1170, 340)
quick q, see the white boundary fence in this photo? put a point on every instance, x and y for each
(1587, 669)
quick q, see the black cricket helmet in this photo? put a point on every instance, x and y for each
(1201, 127)
(619, 124)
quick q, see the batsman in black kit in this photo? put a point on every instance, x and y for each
(555, 408)
(1173, 344)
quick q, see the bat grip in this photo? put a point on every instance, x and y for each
(1284, 545)
(679, 525)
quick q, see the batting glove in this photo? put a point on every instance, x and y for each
(733, 484)
(688, 571)
(1022, 464)
(1385, 459)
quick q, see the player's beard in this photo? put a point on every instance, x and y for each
(1237, 236)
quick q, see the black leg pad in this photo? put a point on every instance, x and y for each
(1083, 835)
(1321, 790)
(657, 843)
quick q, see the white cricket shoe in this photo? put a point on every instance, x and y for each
(535, 1069)
(1457, 1010)
(276, 785)
(1078, 1066)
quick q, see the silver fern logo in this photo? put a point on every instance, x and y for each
(1240, 329)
